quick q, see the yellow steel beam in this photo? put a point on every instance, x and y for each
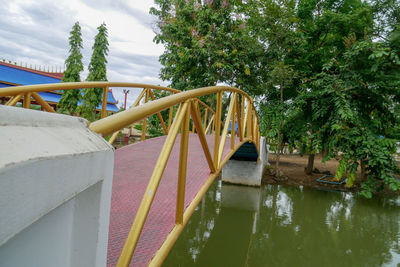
(195, 105)
(14, 100)
(217, 128)
(143, 210)
(243, 116)
(104, 102)
(210, 124)
(205, 118)
(180, 197)
(233, 124)
(171, 110)
(113, 137)
(206, 106)
(43, 103)
(27, 100)
(200, 131)
(244, 124)
(144, 121)
(15, 90)
(159, 114)
(226, 127)
(248, 121)
(120, 120)
(239, 118)
(137, 101)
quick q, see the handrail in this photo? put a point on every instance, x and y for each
(15, 90)
(240, 111)
(17, 93)
(120, 120)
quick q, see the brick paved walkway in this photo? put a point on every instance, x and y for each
(132, 170)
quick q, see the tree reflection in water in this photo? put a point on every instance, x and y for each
(295, 226)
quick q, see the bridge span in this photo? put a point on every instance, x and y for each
(158, 183)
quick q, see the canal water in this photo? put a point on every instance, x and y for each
(289, 226)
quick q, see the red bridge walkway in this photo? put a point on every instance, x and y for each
(133, 167)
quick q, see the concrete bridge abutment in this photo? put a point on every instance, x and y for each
(55, 190)
(243, 168)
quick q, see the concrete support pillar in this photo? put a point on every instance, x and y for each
(246, 172)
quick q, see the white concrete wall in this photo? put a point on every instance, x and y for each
(246, 172)
(55, 190)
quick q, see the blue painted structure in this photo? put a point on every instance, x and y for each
(12, 75)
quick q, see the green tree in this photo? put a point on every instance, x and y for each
(70, 98)
(206, 44)
(273, 22)
(361, 121)
(323, 25)
(97, 72)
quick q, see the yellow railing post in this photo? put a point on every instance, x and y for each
(233, 124)
(205, 118)
(254, 124)
(226, 127)
(239, 116)
(43, 103)
(171, 110)
(180, 198)
(104, 102)
(197, 122)
(27, 100)
(210, 124)
(144, 122)
(248, 121)
(137, 101)
(159, 114)
(113, 137)
(243, 116)
(217, 128)
(14, 100)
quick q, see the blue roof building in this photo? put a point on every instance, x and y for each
(13, 75)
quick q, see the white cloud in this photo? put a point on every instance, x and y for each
(37, 32)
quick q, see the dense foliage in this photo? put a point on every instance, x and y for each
(325, 74)
(70, 98)
(91, 98)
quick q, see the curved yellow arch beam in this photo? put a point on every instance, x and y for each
(120, 120)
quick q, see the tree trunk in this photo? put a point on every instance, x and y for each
(363, 171)
(310, 164)
(278, 152)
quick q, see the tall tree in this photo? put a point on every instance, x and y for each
(273, 22)
(97, 72)
(70, 98)
(207, 43)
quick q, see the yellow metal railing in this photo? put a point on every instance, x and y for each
(30, 92)
(248, 131)
(241, 111)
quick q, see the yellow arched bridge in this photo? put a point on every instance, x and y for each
(159, 182)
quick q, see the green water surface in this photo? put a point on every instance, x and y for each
(289, 226)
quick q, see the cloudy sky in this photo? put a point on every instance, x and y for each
(36, 32)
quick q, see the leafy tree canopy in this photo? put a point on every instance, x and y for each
(326, 73)
(206, 44)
